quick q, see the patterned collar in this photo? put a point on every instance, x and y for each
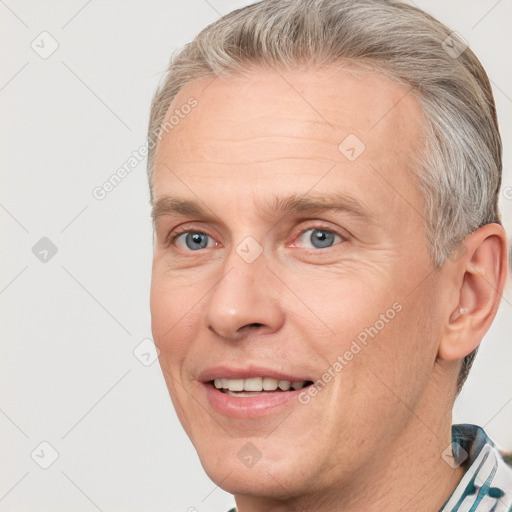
(486, 485)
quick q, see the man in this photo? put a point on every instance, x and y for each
(328, 256)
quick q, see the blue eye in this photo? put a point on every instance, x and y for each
(194, 240)
(320, 238)
(315, 238)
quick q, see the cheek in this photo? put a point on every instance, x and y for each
(371, 327)
(171, 314)
(398, 360)
(345, 307)
(172, 327)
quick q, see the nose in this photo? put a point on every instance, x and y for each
(244, 299)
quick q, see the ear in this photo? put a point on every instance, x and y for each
(482, 272)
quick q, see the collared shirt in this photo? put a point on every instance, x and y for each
(486, 485)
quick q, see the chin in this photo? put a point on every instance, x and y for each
(256, 481)
(271, 474)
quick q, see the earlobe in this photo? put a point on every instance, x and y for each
(456, 343)
(484, 271)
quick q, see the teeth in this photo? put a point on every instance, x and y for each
(253, 384)
(270, 384)
(257, 384)
(236, 384)
(285, 385)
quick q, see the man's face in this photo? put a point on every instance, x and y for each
(262, 288)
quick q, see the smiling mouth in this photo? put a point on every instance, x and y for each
(256, 386)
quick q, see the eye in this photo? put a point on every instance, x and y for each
(193, 240)
(318, 238)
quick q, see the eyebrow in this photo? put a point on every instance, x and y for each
(275, 206)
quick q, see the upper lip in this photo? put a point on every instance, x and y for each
(232, 372)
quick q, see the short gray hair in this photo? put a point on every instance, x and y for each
(458, 169)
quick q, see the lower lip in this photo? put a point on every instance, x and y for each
(249, 406)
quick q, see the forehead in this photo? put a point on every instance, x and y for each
(273, 124)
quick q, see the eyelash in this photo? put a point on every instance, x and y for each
(187, 229)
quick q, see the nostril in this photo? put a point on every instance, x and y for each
(254, 325)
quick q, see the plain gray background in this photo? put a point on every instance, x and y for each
(71, 320)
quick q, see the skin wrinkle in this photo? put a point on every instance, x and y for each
(171, 206)
(308, 306)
